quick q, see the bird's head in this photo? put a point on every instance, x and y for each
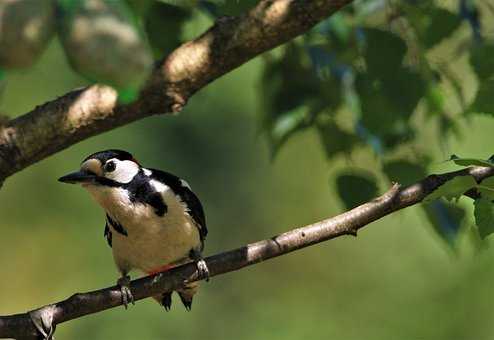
(109, 168)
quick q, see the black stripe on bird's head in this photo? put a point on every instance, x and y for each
(111, 168)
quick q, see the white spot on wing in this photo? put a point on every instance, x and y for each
(160, 187)
(147, 172)
(171, 199)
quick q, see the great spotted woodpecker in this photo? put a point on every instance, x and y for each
(153, 219)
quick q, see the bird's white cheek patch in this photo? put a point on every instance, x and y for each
(124, 171)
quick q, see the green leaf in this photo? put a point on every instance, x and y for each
(440, 24)
(431, 23)
(435, 99)
(449, 124)
(486, 188)
(482, 60)
(337, 27)
(180, 3)
(68, 5)
(376, 108)
(356, 187)
(284, 94)
(127, 95)
(388, 102)
(484, 216)
(404, 88)
(335, 140)
(384, 51)
(231, 7)
(445, 218)
(164, 24)
(286, 125)
(488, 182)
(484, 100)
(453, 188)
(282, 89)
(471, 161)
(2, 80)
(404, 172)
(140, 7)
(321, 61)
(486, 192)
(2, 86)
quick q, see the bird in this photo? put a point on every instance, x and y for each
(154, 221)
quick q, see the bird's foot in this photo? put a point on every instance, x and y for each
(124, 283)
(203, 269)
(42, 319)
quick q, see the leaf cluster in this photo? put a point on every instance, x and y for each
(373, 78)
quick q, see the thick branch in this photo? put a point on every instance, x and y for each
(86, 112)
(348, 223)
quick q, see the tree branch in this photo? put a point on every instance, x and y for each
(348, 223)
(86, 112)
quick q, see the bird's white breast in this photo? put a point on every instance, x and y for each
(151, 241)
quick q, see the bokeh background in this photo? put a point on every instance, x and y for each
(397, 280)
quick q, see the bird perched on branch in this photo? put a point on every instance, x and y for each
(153, 219)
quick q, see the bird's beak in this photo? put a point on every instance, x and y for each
(78, 177)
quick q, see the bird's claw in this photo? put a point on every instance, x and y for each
(126, 296)
(42, 319)
(203, 269)
(124, 283)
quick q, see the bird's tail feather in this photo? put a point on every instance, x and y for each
(186, 294)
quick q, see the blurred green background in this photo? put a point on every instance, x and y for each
(397, 280)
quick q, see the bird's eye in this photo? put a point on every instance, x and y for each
(110, 166)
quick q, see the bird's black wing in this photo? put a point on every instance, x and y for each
(186, 195)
